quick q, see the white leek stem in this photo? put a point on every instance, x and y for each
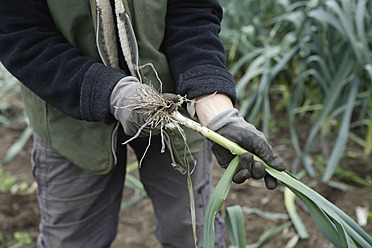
(206, 132)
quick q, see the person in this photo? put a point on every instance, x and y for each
(81, 64)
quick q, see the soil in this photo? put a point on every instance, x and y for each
(19, 212)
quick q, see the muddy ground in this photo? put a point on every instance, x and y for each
(19, 212)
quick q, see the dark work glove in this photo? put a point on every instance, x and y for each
(235, 128)
(123, 99)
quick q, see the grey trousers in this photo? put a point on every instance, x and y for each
(80, 209)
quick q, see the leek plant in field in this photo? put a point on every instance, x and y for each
(318, 55)
(335, 225)
(8, 90)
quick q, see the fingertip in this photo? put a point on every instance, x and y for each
(222, 155)
(258, 170)
(241, 176)
(171, 97)
(278, 163)
(238, 180)
(246, 160)
(270, 182)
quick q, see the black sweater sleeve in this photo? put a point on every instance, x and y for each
(194, 49)
(39, 56)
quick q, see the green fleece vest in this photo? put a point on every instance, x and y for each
(90, 145)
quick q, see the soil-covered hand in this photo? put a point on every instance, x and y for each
(235, 128)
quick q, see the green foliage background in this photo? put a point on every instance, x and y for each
(317, 56)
